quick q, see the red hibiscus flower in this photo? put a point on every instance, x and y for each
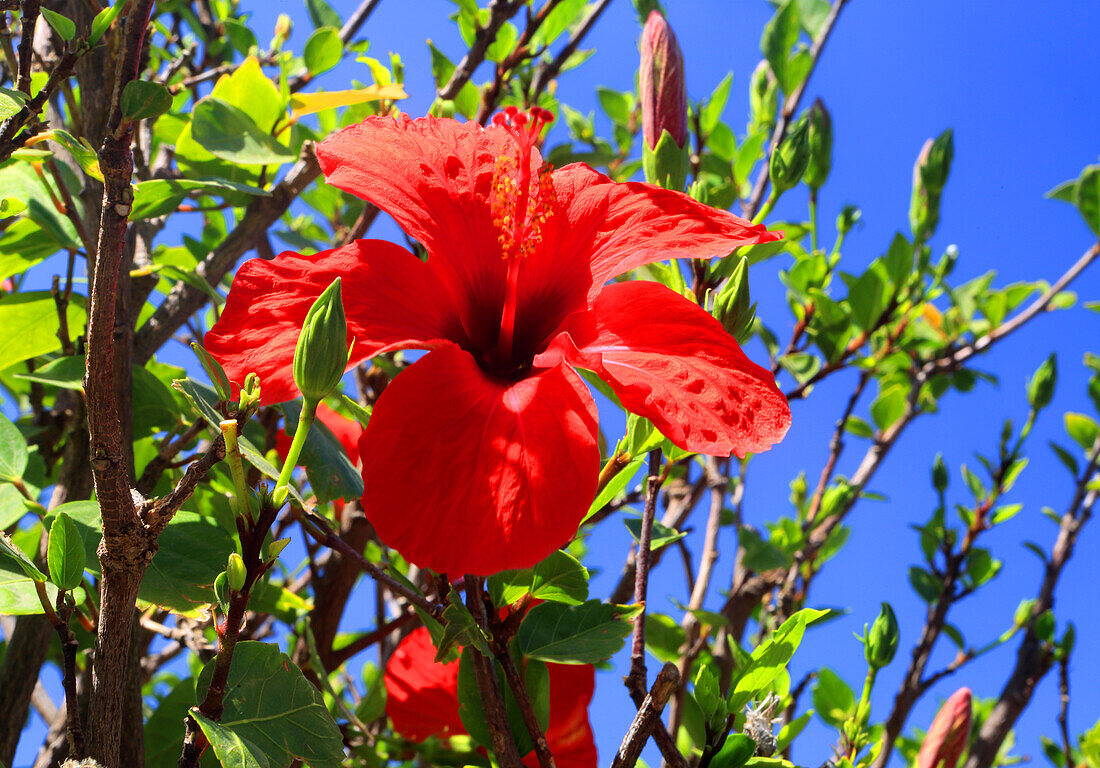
(422, 701)
(482, 456)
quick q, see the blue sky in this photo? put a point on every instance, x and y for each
(1017, 84)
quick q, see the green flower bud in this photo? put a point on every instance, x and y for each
(732, 306)
(661, 84)
(283, 27)
(763, 99)
(881, 642)
(929, 178)
(821, 147)
(939, 474)
(790, 158)
(1040, 390)
(235, 572)
(322, 353)
(847, 219)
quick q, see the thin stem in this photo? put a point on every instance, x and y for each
(236, 468)
(305, 421)
(636, 680)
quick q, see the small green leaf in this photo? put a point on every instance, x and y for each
(64, 27)
(735, 752)
(142, 99)
(780, 35)
(1082, 429)
(1087, 197)
(323, 50)
(926, 585)
(13, 451)
(771, 658)
(574, 634)
(65, 553)
(711, 112)
(661, 535)
(888, 407)
(616, 104)
(13, 555)
(322, 14)
(103, 20)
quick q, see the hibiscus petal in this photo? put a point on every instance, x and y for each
(421, 695)
(569, 734)
(391, 299)
(623, 225)
(670, 361)
(469, 474)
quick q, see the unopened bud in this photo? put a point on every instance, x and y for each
(214, 371)
(949, 734)
(732, 306)
(661, 81)
(929, 178)
(789, 160)
(763, 99)
(1040, 389)
(939, 474)
(235, 572)
(880, 643)
(847, 219)
(322, 352)
(283, 27)
(821, 147)
(250, 391)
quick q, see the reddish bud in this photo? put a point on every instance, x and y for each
(661, 81)
(949, 734)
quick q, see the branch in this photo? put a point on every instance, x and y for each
(504, 746)
(648, 717)
(124, 550)
(636, 681)
(950, 362)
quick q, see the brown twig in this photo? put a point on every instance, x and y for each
(500, 11)
(28, 13)
(648, 717)
(635, 681)
(548, 71)
(527, 712)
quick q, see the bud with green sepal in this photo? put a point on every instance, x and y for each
(820, 139)
(929, 179)
(787, 164)
(235, 572)
(733, 307)
(1040, 389)
(663, 105)
(763, 99)
(880, 643)
(320, 360)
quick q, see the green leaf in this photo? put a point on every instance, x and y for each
(12, 555)
(867, 297)
(12, 508)
(661, 536)
(888, 407)
(771, 658)
(834, 701)
(13, 451)
(272, 715)
(192, 551)
(322, 14)
(574, 634)
(65, 553)
(229, 133)
(143, 99)
(34, 313)
(780, 35)
(711, 112)
(159, 197)
(323, 50)
(11, 102)
(926, 585)
(735, 752)
(616, 486)
(1067, 458)
(616, 104)
(1087, 197)
(1082, 429)
(899, 260)
(560, 578)
(103, 20)
(470, 710)
(64, 27)
(331, 473)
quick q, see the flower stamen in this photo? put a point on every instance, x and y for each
(520, 207)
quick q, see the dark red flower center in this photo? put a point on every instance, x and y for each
(522, 203)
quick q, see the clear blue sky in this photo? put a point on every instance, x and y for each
(1017, 82)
